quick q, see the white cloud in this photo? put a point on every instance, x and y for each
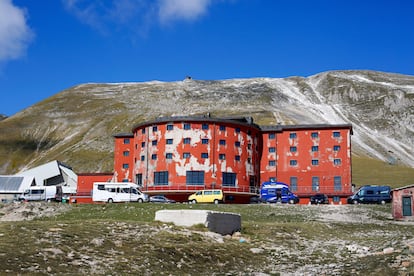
(15, 34)
(102, 15)
(170, 10)
(134, 14)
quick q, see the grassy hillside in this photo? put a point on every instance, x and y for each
(371, 171)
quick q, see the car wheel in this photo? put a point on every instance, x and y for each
(194, 201)
(291, 201)
(355, 201)
(140, 200)
(383, 202)
(216, 201)
(110, 200)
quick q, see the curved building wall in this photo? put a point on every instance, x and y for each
(190, 154)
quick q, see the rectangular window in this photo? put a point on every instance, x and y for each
(125, 166)
(272, 163)
(142, 157)
(161, 178)
(143, 144)
(154, 157)
(292, 135)
(186, 155)
(293, 149)
(229, 179)
(204, 126)
(187, 126)
(170, 127)
(168, 155)
(222, 142)
(143, 131)
(293, 162)
(204, 155)
(337, 161)
(237, 144)
(271, 136)
(237, 130)
(336, 148)
(195, 177)
(249, 146)
(337, 183)
(315, 183)
(187, 140)
(272, 149)
(293, 183)
(315, 148)
(222, 156)
(204, 141)
(314, 135)
(154, 128)
(154, 142)
(126, 153)
(138, 179)
(315, 162)
(222, 128)
(169, 141)
(126, 141)
(237, 157)
(336, 134)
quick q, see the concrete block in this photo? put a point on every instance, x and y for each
(219, 222)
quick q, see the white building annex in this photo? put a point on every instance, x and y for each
(54, 173)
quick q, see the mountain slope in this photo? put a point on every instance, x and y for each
(76, 125)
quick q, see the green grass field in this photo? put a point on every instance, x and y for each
(122, 239)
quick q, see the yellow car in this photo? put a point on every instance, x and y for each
(207, 196)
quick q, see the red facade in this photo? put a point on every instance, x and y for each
(310, 158)
(85, 185)
(181, 154)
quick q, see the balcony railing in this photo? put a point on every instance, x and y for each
(194, 188)
(184, 188)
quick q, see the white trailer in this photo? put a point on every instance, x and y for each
(46, 193)
(117, 192)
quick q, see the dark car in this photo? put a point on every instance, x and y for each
(255, 200)
(160, 199)
(371, 194)
(319, 199)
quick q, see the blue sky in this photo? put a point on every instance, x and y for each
(50, 45)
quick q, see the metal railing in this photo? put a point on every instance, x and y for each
(300, 190)
(193, 188)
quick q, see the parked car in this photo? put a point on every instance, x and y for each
(207, 196)
(371, 194)
(255, 199)
(319, 199)
(161, 199)
(277, 192)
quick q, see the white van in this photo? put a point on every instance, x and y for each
(117, 192)
(46, 193)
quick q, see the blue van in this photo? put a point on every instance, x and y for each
(273, 192)
(371, 194)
